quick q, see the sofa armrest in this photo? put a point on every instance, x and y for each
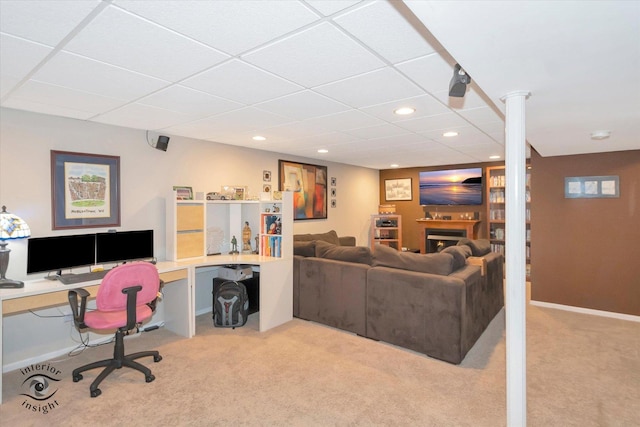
(347, 241)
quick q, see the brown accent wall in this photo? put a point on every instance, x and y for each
(586, 252)
(411, 210)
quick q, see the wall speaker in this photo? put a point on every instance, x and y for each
(459, 82)
(163, 143)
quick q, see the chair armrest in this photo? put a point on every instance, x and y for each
(78, 312)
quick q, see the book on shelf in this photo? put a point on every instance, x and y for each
(272, 246)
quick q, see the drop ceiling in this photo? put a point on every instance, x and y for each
(318, 74)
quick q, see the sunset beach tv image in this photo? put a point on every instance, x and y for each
(451, 187)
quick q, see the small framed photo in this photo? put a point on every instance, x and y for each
(266, 176)
(333, 203)
(398, 189)
(183, 193)
(333, 192)
(333, 181)
(266, 188)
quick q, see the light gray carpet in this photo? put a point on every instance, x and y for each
(582, 371)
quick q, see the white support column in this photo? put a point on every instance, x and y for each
(515, 303)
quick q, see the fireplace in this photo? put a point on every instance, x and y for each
(439, 238)
(450, 232)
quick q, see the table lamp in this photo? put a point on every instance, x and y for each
(11, 227)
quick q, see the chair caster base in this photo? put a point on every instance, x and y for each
(157, 358)
(95, 393)
(150, 378)
(77, 378)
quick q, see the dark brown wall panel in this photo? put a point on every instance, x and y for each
(586, 252)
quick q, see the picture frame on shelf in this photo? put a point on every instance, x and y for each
(85, 190)
(308, 183)
(183, 193)
(266, 176)
(266, 188)
(398, 189)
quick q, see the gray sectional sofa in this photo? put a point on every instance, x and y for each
(436, 304)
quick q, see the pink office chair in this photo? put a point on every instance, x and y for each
(126, 298)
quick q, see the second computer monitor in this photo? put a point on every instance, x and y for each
(124, 246)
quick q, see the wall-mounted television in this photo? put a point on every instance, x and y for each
(451, 187)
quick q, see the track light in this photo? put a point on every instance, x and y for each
(459, 82)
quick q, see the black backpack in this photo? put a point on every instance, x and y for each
(230, 305)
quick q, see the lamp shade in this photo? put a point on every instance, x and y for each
(12, 226)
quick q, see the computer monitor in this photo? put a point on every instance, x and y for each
(124, 246)
(45, 254)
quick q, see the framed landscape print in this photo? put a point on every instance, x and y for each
(397, 189)
(85, 190)
(309, 186)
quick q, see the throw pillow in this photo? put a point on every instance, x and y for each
(329, 237)
(460, 255)
(440, 263)
(306, 249)
(478, 247)
(357, 254)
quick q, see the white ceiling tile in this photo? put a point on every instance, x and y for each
(44, 21)
(472, 99)
(439, 122)
(379, 131)
(83, 74)
(241, 82)
(466, 136)
(481, 115)
(189, 101)
(431, 72)
(231, 26)
(18, 56)
(315, 56)
(119, 38)
(7, 83)
(139, 116)
(376, 87)
(351, 119)
(398, 42)
(303, 105)
(329, 7)
(58, 96)
(425, 105)
(40, 107)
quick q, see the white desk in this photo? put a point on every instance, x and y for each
(276, 293)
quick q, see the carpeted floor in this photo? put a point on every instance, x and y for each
(582, 371)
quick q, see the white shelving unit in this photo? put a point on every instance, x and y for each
(196, 228)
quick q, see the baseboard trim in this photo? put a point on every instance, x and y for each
(621, 316)
(64, 352)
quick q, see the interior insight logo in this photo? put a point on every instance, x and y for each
(39, 387)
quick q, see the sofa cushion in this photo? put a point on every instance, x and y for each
(305, 249)
(478, 247)
(460, 255)
(440, 263)
(329, 237)
(357, 254)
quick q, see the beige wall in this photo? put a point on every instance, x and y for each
(586, 252)
(147, 177)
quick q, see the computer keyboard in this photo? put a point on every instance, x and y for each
(72, 279)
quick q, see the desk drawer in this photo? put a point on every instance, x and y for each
(41, 301)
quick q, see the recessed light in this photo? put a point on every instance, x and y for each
(403, 111)
(323, 151)
(599, 135)
(450, 134)
(259, 138)
(394, 165)
(494, 157)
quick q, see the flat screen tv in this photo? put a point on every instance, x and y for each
(451, 187)
(124, 246)
(45, 254)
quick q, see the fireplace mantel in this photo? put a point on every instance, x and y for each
(469, 225)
